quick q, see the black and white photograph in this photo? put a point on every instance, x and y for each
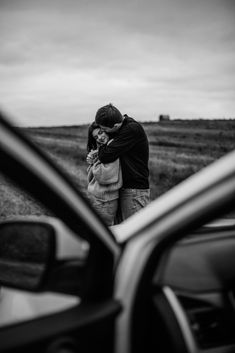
(117, 176)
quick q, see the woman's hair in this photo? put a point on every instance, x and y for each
(108, 116)
(91, 142)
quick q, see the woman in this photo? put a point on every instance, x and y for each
(104, 180)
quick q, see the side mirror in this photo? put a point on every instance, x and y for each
(42, 255)
(26, 248)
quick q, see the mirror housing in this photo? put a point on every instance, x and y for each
(40, 254)
(26, 249)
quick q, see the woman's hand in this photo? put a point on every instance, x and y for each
(89, 159)
(92, 156)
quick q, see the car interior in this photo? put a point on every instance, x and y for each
(200, 273)
(192, 305)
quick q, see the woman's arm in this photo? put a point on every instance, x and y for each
(106, 173)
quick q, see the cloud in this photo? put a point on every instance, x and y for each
(63, 59)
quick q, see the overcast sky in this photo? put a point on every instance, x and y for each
(61, 60)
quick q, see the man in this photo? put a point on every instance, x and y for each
(130, 144)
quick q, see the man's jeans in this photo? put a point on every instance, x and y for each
(132, 200)
(107, 210)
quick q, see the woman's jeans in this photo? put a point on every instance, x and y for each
(132, 200)
(107, 210)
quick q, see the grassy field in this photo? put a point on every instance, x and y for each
(178, 149)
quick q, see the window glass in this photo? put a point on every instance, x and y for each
(14, 202)
(65, 146)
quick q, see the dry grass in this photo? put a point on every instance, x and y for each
(178, 149)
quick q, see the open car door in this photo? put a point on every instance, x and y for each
(167, 286)
(73, 255)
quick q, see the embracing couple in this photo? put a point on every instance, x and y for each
(118, 174)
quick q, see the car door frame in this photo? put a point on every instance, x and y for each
(154, 230)
(32, 170)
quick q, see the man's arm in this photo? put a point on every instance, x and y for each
(123, 142)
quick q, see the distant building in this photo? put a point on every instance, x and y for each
(163, 117)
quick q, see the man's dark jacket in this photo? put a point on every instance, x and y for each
(130, 144)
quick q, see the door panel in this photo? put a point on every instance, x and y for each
(85, 328)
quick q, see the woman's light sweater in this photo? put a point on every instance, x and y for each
(105, 180)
